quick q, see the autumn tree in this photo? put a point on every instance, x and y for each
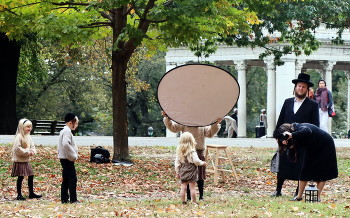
(156, 24)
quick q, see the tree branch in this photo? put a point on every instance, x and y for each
(26, 5)
(156, 21)
(149, 6)
(9, 11)
(93, 26)
(142, 17)
(54, 80)
(128, 11)
(68, 7)
(69, 3)
(107, 16)
(336, 26)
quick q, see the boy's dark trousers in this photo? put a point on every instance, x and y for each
(69, 182)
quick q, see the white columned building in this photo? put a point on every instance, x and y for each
(327, 71)
(271, 94)
(241, 67)
(348, 114)
(279, 86)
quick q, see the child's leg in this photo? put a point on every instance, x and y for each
(193, 191)
(200, 188)
(73, 185)
(19, 188)
(183, 191)
(188, 193)
(65, 181)
(31, 188)
(19, 185)
(31, 184)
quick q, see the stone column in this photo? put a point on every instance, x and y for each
(284, 86)
(271, 96)
(348, 106)
(299, 66)
(327, 70)
(241, 67)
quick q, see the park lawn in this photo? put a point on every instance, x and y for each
(149, 188)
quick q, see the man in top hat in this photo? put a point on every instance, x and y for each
(298, 109)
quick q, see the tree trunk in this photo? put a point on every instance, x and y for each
(121, 55)
(120, 123)
(9, 59)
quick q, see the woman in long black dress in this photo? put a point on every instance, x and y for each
(319, 162)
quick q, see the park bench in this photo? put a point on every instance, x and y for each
(47, 127)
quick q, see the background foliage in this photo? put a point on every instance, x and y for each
(60, 80)
(65, 67)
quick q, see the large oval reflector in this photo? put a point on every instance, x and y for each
(197, 94)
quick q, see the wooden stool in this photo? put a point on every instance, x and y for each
(217, 161)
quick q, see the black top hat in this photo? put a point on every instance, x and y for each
(303, 77)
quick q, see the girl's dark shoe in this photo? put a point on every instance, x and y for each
(20, 198)
(276, 194)
(34, 196)
(296, 199)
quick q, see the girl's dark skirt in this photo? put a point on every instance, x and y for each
(201, 169)
(22, 169)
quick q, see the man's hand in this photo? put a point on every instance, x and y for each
(164, 114)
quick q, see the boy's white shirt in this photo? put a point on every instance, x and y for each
(66, 145)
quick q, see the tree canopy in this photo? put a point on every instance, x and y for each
(158, 24)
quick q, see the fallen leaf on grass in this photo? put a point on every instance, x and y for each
(300, 214)
(295, 209)
(332, 206)
(268, 214)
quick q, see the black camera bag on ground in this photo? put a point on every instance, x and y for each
(99, 155)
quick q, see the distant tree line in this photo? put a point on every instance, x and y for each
(79, 80)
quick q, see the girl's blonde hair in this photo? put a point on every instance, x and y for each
(20, 131)
(186, 146)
